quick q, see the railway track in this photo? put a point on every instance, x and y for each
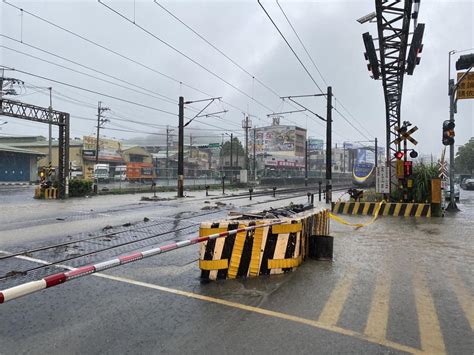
(80, 251)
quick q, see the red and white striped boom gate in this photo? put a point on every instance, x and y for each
(62, 277)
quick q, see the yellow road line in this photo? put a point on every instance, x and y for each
(430, 332)
(378, 316)
(465, 299)
(266, 312)
(333, 307)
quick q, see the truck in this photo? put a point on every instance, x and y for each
(140, 172)
(102, 172)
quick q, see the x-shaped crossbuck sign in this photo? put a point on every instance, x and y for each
(406, 135)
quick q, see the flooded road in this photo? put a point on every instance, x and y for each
(400, 285)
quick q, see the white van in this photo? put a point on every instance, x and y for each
(120, 173)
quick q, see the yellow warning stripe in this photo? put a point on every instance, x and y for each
(419, 210)
(213, 264)
(236, 254)
(346, 208)
(358, 225)
(398, 206)
(356, 208)
(256, 250)
(408, 210)
(204, 232)
(284, 263)
(287, 228)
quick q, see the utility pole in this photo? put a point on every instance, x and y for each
(247, 124)
(181, 148)
(181, 126)
(306, 162)
(328, 145)
(231, 154)
(167, 152)
(100, 122)
(254, 155)
(50, 131)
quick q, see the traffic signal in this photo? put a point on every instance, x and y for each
(371, 55)
(416, 47)
(465, 62)
(448, 132)
(398, 155)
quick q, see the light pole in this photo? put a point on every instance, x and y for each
(463, 63)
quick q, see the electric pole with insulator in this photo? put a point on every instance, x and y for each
(100, 122)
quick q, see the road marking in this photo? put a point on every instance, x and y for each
(430, 332)
(465, 299)
(262, 311)
(333, 307)
(378, 316)
(266, 312)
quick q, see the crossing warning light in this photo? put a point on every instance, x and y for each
(416, 47)
(371, 55)
(448, 132)
(399, 155)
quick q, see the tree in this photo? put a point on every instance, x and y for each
(236, 147)
(464, 161)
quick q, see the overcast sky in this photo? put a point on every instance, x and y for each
(242, 31)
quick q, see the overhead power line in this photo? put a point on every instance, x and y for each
(114, 52)
(300, 61)
(93, 91)
(183, 54)
(302, 44)
(289, 46)
(158, 95)
(85, 74)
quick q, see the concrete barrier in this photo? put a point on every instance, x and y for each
(386, 209)
(264, 251)
(50, 193)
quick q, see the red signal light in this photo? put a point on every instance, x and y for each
(399, 155)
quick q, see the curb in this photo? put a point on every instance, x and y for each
(387, 209)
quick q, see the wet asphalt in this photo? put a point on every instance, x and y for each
(399, 285)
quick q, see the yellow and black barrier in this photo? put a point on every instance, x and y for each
(386, 209)
(263, 251)
(50, 193)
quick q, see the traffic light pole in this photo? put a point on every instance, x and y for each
(452, 201)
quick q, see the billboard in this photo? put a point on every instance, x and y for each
(315, 144)
(109, 149)
(288, 140)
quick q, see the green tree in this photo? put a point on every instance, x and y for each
(236, 147)
(464, 161)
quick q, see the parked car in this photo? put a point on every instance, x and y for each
(468, 184)
(457, 193)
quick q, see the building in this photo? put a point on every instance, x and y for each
(18, 164)
(40, 145)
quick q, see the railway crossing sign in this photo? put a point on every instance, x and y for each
(443, 169)
(406, 135)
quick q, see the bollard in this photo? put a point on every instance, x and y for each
(153, 187)
(207, 190)
(309, 196)
(250, 193)
(312, 199)
(321, 247)
(223, 185)
(319, 190)
(274, 190)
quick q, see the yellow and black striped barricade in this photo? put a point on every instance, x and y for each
(401, 209)
(263, 251)
(50, 193)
